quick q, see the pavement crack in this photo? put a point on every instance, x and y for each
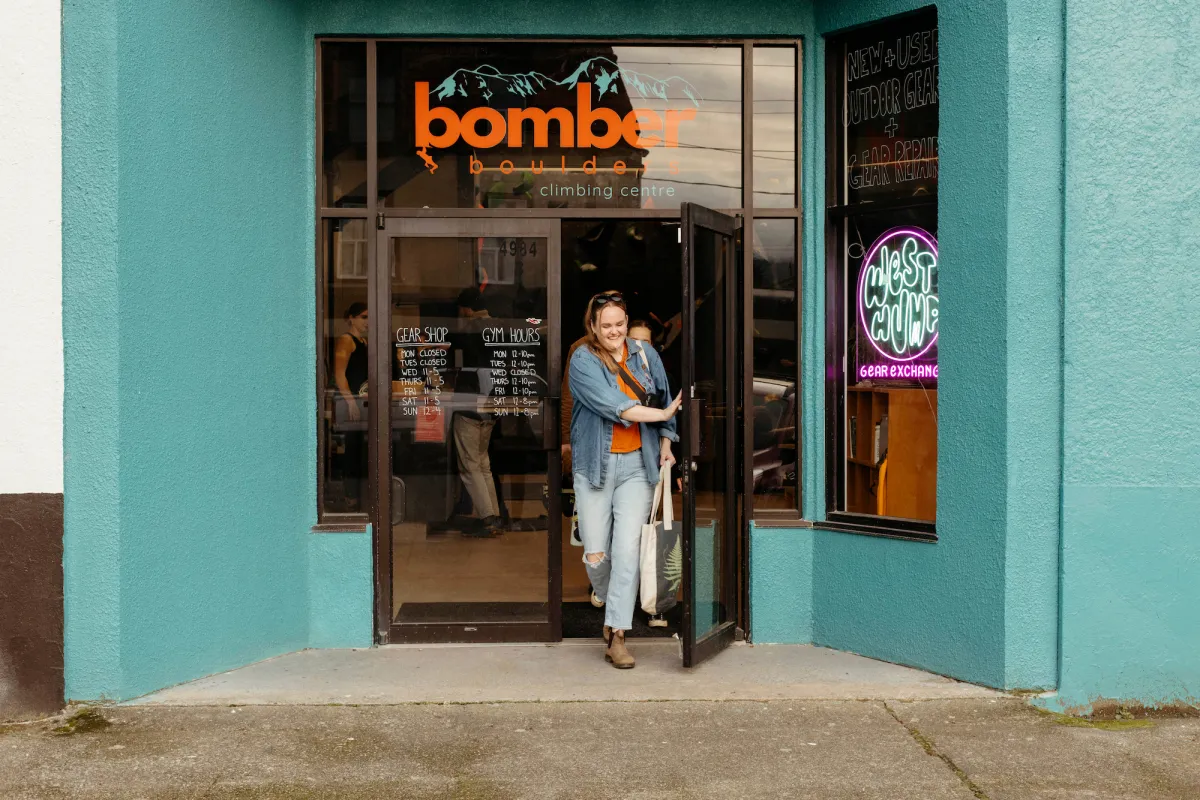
(930, 747)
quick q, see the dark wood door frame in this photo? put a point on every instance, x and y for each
(379, 287)
(697, 650)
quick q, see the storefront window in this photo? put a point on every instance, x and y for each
(775, 127)
(344, 396)
(882, 292)
(776, 367)
(559, 125)
(343, 145)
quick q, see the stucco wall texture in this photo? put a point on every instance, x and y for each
(188, 174)
(1131, 461)
(189, 364)
(189, 297)
(945, 607)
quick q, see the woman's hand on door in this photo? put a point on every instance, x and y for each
(673, 409)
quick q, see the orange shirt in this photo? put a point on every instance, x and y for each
(626, 440)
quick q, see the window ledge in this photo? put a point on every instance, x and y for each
(781, 521)
(347, 526)
(886, 529)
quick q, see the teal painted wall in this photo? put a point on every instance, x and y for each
(1034, 342)
(781, 571)
(941, 607)
(981, 604)
(1131, 496)
(610, 18)
(189, 340)
(340, 591)
(188, 308)
(91, 328)
(188, 302)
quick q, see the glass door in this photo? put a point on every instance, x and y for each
(469, 504)
(708, 467)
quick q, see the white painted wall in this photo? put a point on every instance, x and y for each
(31, 347)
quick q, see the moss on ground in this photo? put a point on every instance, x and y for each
(85, 720)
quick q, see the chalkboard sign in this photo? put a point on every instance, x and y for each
(890, 109)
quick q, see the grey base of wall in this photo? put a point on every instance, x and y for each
(31, 604)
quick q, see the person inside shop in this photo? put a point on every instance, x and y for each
(621, 433)
(639, 330)
(473, 428)
(350, 380)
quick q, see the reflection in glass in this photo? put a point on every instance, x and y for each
(776, 369)
(710, 480)
(344, 397)
(775, 127)
(559, 125)
(343, 146)
(891, 399)
(890, 109)
(470, 488)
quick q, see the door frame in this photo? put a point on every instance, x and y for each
(379, 426)
(695, 217)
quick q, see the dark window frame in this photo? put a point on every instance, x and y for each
(374, 210)
(838, 212)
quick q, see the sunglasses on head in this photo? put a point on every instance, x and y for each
(608, 297)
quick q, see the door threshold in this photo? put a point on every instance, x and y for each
(565, 642)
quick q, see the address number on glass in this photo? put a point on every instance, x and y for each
(518, 247)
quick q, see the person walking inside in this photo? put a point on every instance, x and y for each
(621, 433)
(473, 428)
(350, 380)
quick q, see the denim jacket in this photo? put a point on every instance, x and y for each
(599, 403)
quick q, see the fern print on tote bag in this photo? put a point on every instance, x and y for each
(661, 551)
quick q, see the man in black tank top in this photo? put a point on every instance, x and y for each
(350, 380)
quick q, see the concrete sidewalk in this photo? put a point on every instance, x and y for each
(572, 671)
(984, 748)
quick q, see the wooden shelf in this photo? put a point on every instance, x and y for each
(911, 476)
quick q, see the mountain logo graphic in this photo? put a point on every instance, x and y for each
(606, 75)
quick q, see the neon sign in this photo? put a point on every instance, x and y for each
(898, 303)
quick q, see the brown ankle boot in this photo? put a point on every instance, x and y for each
(616, 653)
(606, 634)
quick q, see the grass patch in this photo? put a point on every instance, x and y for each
(1098, 724)
(85, 720)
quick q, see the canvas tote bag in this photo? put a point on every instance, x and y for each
(661, 552)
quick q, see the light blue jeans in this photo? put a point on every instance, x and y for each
(610, 522)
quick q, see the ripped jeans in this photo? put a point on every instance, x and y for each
(610, 522)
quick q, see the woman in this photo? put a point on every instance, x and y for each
(350, 378)
(618, 443)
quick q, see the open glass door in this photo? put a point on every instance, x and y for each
(708, 464)
(472, 430)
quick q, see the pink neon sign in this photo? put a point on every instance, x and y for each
(906, 370)
(898, 298)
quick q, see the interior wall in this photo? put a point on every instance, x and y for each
(1131, 495)
(191, 460)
